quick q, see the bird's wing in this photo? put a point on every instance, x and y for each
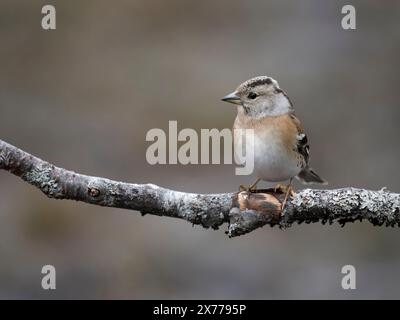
(302, 142)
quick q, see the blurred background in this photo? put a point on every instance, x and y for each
(84, 96)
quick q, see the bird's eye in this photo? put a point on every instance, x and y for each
(252, 95)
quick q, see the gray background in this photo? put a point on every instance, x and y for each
(84, 96)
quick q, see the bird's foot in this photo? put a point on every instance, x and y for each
(288, 191)
(281, 188)
(247, 188)
(252, 188)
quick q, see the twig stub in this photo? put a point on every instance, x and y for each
(252, 210)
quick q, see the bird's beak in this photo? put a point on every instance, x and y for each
(232, 98)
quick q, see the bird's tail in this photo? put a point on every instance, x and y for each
(308, 175)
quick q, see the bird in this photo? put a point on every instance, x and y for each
(281, 148)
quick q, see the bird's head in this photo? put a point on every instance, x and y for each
(260, 96)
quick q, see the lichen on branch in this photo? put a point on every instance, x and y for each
(243, 212)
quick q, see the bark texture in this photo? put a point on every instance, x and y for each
(243, 211)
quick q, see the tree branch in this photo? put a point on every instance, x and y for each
(243, 211)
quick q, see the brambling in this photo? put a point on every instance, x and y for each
(281, 150)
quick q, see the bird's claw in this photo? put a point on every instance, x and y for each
(289, 192)
(247, 188)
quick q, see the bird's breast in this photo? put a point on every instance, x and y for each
(272, 142)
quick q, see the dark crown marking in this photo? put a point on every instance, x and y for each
(258, 82)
